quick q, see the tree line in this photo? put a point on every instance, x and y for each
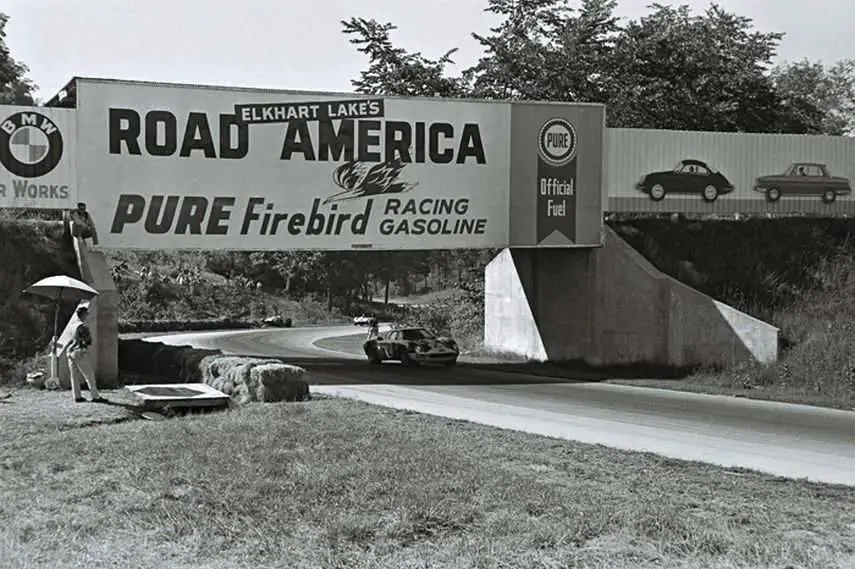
(343, 277)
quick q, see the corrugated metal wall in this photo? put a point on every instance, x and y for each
(740, 158)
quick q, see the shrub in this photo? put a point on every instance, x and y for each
(819, 327)
(29, 250)
(756, 265)
(460, 316)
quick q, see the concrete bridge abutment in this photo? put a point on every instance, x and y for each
(610, 307)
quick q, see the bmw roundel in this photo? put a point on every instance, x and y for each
(30, 144)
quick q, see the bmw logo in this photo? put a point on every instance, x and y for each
(30, 144)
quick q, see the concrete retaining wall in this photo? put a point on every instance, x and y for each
(609, 306)
(103, 319)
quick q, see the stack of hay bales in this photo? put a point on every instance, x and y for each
(243, 379)
(255, 379)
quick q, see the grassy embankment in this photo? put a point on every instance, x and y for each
(334, 483)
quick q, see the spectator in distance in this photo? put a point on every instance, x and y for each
(82, 225)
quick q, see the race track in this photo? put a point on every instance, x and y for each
(786, 440)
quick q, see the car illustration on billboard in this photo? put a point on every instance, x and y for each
(804, 179)
(689, 176)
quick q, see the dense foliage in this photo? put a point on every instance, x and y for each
(670, 68)
(29, 251)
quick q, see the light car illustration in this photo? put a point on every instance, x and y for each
(806, 179)
(412, 346)
(689, 176)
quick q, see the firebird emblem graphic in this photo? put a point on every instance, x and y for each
(359, 181)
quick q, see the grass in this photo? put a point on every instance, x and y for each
(335, 483)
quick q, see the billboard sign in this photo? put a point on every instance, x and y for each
(38, 165)
(710, 172)
(191, 167)
(556, 175)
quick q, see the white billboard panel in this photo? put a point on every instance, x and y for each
(191, 167)
(38, 165)
(713, 172)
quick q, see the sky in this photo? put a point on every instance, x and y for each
(295, 44)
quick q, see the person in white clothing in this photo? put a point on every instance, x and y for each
(373, 329)
(78, 362)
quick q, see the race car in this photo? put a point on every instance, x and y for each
(362, 320)
(276, 322)
(412, 346)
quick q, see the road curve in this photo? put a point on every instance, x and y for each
(787, 440)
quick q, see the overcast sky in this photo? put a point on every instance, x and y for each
(296, 44)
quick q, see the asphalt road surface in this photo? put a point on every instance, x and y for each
(786, 440)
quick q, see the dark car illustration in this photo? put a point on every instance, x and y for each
(688, 177)
(804, 179)
(412, 346)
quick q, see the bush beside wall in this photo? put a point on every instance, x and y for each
(756, 265)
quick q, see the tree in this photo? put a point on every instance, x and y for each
(546, 50)
(824, 95)
(670, 69)
(677, 70)
(394, 71)
(15, 87)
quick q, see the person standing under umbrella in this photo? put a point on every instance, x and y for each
(78, 362)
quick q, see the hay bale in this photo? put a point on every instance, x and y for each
(278, 382)
(226, 372)
(254, 379)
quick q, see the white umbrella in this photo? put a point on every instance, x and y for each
(59, 288)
